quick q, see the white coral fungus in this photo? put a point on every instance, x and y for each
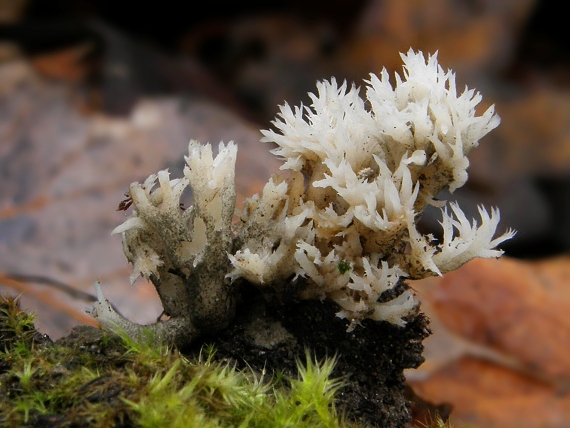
(343, 225)
(371, 166)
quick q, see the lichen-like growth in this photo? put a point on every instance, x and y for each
(341, 226)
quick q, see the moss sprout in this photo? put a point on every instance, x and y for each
(96, 378)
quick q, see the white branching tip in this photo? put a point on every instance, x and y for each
(130, 223)
(464, 240)
(100, 296)
(101, 308)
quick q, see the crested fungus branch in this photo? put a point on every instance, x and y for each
(341, 226)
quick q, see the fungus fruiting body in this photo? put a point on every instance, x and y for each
(342, 223)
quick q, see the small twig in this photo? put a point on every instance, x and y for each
(26, 288)
(67, 289)
(24, 279)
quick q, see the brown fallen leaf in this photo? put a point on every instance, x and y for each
(485, 395)
(500, 344)
(65, 64)
(470, 39)
(516, 307)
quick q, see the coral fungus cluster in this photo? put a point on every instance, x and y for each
(340, 224)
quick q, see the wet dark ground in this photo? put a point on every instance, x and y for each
(371, 359)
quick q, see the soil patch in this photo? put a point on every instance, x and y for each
(371, 359)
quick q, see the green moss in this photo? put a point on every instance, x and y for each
(94, 378)
(343, 266)
(16, 326)
(436, 422)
